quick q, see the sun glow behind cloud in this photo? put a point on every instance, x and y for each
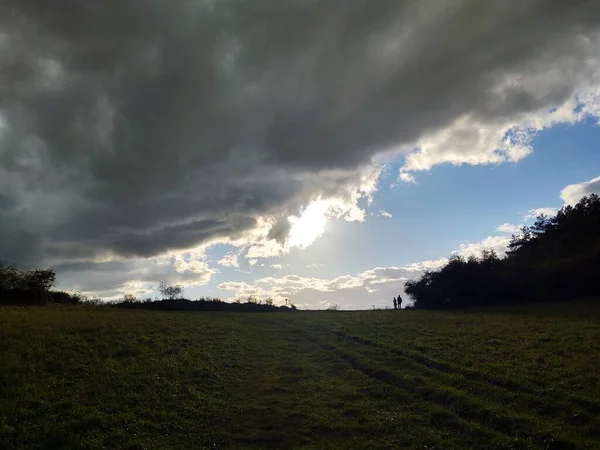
(309, 226)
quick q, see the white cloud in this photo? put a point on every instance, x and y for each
(229, 260)
(406, 177)
(383, 213)
(374, 287)
(263, 248)
(427, 265)
(497, 243)
(509, 228)
(572, 193)
(477, 140)
(534, 213)
(276, 266)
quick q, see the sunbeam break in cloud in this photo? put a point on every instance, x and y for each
(315, 150)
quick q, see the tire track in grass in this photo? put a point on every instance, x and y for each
(468, 421)
(471, 410)
(441, 366)
(523, 402)
(517, 388)
(433, 405)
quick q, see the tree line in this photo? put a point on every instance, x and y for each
(34, 288)
(557, 258)
(30, 287)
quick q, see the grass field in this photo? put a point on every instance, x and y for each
(100, 378)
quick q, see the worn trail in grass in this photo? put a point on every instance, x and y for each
(518, 377)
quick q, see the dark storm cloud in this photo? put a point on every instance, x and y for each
(134, 127)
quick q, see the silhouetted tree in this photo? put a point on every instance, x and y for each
(25, 286)
(557, 257)
(130, 298)
(170, 291)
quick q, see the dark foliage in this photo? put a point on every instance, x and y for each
(558, 257)
(25, 287)
(201, 305)
(65, 298)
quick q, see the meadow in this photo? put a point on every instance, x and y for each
(523, 377)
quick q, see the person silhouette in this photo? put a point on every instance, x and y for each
(399, 302)
(395, 303)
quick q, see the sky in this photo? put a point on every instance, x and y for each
(322, 152)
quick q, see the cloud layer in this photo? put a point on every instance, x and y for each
(131, 130)
(371, 288)
(574, 192)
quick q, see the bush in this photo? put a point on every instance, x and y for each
(62, 297)
(25, 287)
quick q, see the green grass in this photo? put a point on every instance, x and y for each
(520, 378)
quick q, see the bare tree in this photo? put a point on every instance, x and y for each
(130, 298)
(170, 291)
